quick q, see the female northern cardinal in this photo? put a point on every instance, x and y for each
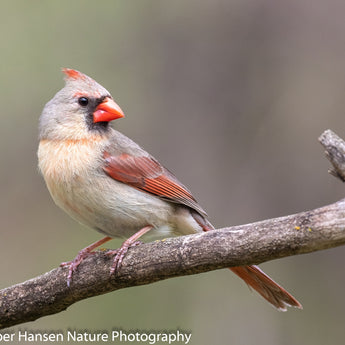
(106, 181)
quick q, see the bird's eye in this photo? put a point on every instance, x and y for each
(83, 101)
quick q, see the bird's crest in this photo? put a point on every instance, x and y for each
(83, 84)
(73, 74)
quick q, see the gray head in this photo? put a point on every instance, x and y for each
(81, 107)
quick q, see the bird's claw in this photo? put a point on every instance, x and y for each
(73, 265)
(83, 254)
(120, 254)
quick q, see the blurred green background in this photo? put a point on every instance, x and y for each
(229, 95)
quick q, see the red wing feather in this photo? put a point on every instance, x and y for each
(146, 174)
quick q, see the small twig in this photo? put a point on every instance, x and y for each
(335, 152)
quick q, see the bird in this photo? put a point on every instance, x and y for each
(106, 181)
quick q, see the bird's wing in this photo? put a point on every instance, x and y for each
(146, 174)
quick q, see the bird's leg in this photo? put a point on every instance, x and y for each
(83, 254)
(121, 252)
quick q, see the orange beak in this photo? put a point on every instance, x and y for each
(107, 111)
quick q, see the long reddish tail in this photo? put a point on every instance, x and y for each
(266, 287)
(257, 279)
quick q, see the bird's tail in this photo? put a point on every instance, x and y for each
(257, 279)
(266, 287)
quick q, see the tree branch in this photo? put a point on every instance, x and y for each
(233, 246)
(335, 152)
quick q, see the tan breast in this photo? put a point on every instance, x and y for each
(65, 163)
(62, 160)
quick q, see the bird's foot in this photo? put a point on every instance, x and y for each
(120, 254)
(122, 251)
(82, 255)
(73, 265)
